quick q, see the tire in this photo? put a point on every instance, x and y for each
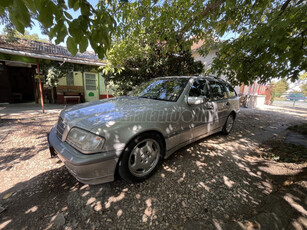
(245, 104)
(141, 158)
(228, 124)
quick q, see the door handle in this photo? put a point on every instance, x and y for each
(209, 106)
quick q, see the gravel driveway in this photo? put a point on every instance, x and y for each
(216, 183)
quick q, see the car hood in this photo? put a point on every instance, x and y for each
(95, 114)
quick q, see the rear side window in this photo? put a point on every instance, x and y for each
(218, 91)
(199, 89)
(231, 92)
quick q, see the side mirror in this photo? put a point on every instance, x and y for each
(195, 100)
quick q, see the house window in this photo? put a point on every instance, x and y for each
(70, 79)
(90, 81)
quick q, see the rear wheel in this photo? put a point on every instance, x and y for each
(228, 124)
(141, 158)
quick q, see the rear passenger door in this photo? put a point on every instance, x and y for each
(219, 99)
(232, 98)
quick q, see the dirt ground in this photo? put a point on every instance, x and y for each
(216, 183)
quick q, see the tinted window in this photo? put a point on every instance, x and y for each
(230, 90)
(218, 91)
(199, 89)
(167, 89)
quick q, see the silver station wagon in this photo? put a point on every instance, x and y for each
(130, 135)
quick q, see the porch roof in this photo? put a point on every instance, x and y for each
(35, 49)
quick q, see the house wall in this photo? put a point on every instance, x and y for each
(207, 61)
(62, 81)
(65, 86)
(103, 88)
(254, 89)
(78, 80)
(102, 85)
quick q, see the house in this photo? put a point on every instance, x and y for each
(19, 62)
(256, 91)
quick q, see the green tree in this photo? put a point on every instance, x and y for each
(304, 89)
(94, 25)
(33, 37)
(140, 69)
(279, 88)
(13, 33)
(269, 42)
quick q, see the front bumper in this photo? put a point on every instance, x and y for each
(88, 169)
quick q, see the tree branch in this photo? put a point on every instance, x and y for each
(207, 10)
(284, 6)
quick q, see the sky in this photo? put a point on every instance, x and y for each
(75, 14)
(36, 29)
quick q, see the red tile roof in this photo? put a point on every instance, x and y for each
(197, 45)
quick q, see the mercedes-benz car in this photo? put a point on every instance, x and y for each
(130, 135)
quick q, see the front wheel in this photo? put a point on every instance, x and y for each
(228, 124)
(141, 158)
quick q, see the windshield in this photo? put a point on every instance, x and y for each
(167, 89)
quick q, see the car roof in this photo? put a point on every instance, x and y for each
(211, 78)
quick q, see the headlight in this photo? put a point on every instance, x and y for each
(85, 141)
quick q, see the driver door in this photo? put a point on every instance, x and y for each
(201, 119)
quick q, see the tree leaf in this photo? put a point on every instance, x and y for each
(31, 5)
(61, 31)
(71, 3)
(83, 44)
(1, 10)
(72, 46)
(46, 14)
(85, 10)
(76, 5)
(74, 30)
(8, 195)
(40, 4)
(6, 3)
(68, 15)
(20, 14)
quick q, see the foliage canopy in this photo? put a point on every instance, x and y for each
(12, 34)
(140, 69)
(269, 35)
(304, 89)
(280, 87)
(55, 70)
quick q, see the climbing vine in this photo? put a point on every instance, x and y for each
(55, 70)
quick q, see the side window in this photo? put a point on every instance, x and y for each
(218, 91)
(230, 90)
(199, 89)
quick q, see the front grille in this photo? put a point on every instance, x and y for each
(60, 128)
